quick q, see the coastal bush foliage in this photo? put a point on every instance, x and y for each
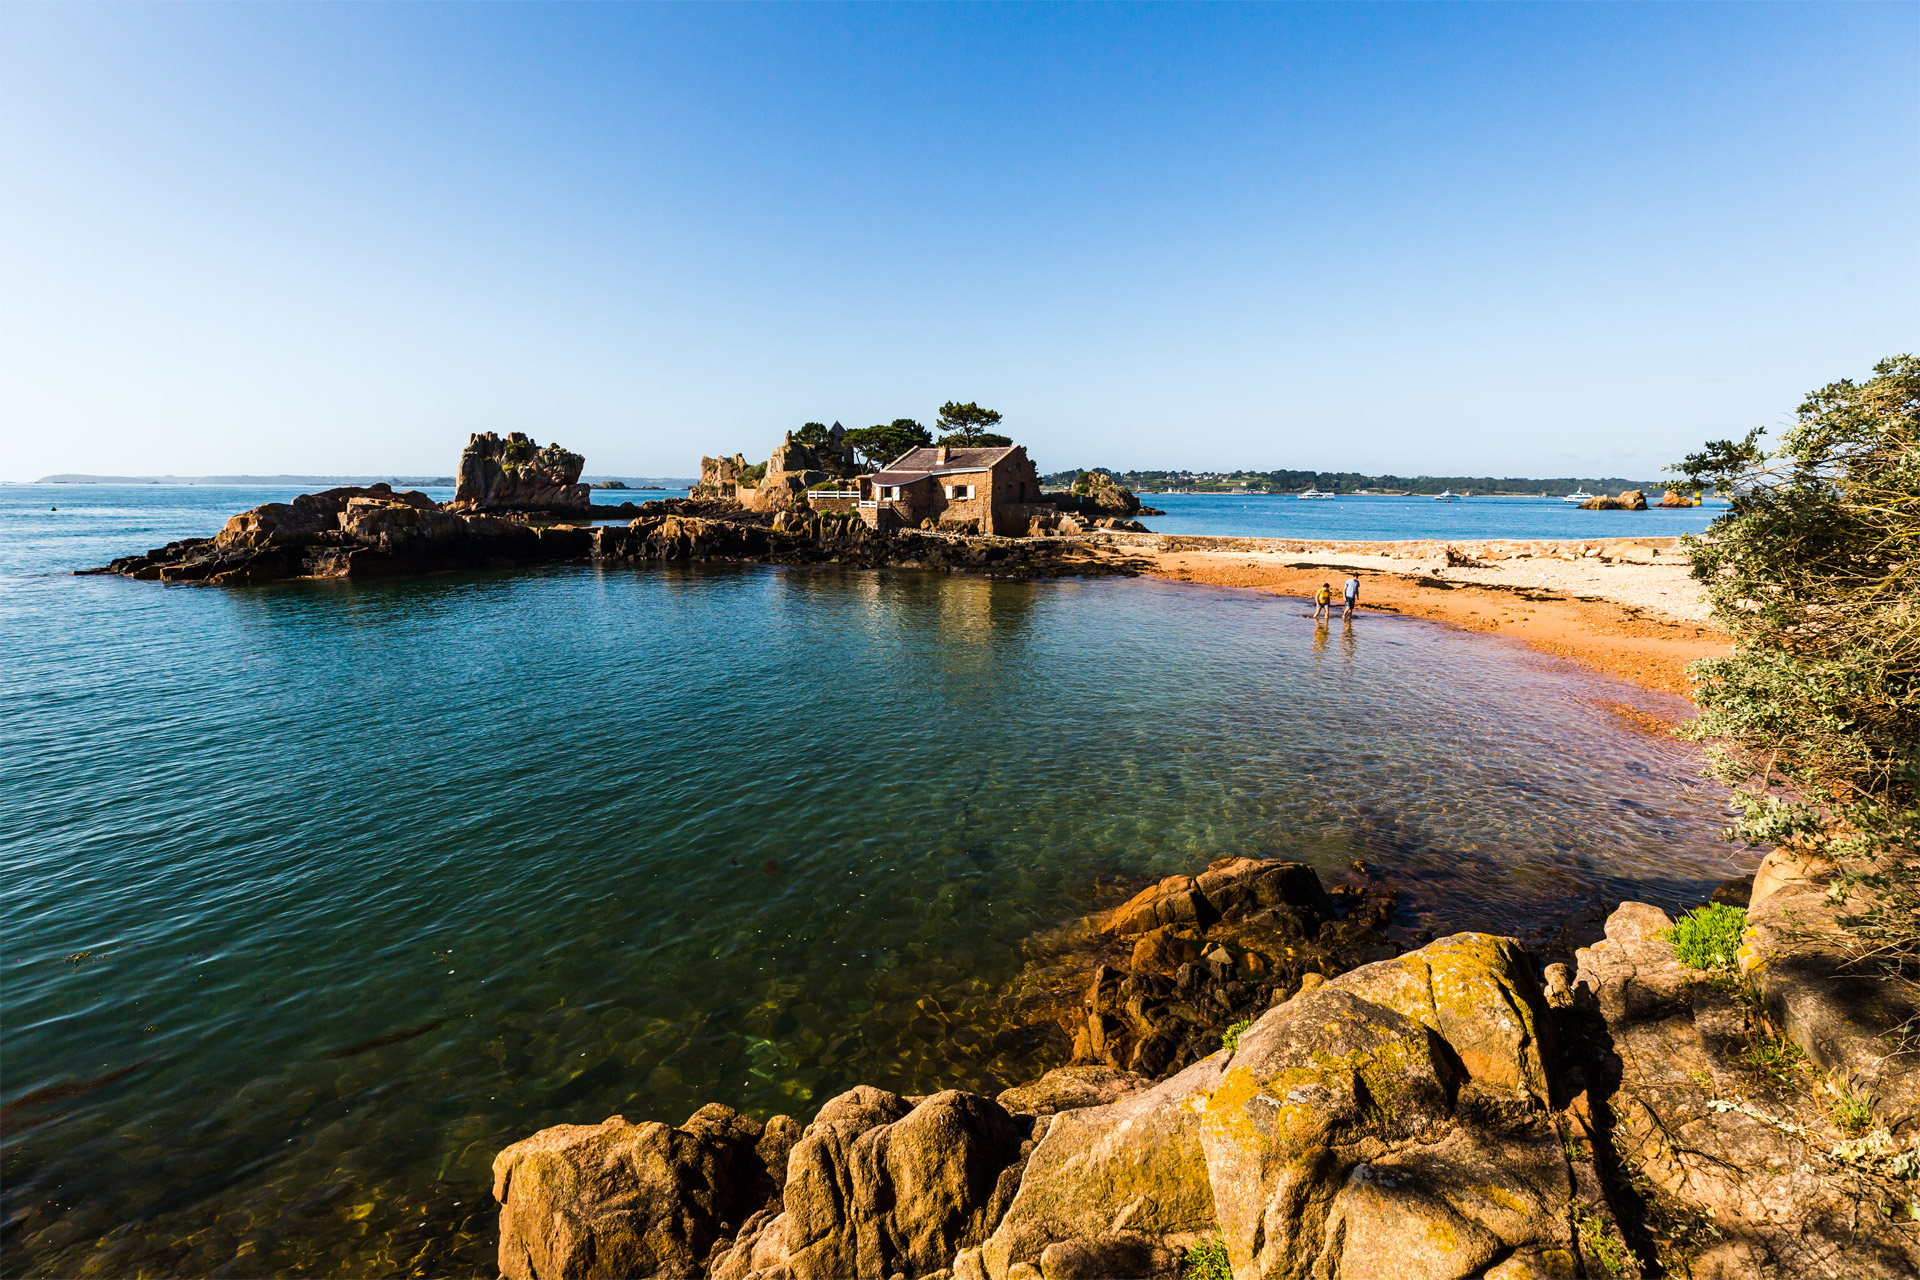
(884, 441)
(1708, 937)
(969, 424)
(1814, 720)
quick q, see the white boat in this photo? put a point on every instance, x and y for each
(1315, 493)
(1578, 496)
(1446, 495)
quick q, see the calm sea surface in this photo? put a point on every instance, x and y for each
(314, 896)
(1382, 519)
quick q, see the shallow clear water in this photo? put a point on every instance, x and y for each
(1382, 519)
(580, 842)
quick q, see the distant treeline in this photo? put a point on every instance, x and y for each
(1353, 481)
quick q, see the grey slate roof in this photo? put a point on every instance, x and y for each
(916, 464)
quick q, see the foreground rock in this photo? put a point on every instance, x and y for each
(1394, 1122)
(1742, 1167)
(1398, 1120)
(619, 1199)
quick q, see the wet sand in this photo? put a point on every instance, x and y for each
(1625, 607)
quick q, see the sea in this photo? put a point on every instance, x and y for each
(1381, 518)
(315, 895)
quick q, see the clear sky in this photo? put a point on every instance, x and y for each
(1517, 239)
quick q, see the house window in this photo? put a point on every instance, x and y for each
(959, 491)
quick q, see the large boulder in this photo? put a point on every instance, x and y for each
(516, 474)
(1111, 1177)
(618, 1199)
(879, 1186)
(1393, 1123)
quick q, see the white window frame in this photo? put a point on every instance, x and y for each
(960, 491)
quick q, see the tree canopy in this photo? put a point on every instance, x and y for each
(1814, 719)
(883, 442)
(969, 424)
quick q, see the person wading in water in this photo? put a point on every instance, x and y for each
(1323, 602)
(1352, 598)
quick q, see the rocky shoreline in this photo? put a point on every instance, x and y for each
(1266, 1085)
(376, 532)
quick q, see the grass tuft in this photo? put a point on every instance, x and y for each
(1207, 1261)
(1600, 1244)
(1853, 1115)
(1708, 937)
(1230, 1038)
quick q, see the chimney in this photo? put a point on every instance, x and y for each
(940, 454)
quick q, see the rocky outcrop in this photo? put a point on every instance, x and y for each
(720, 477)
(1744, 1172)
(793, 468)
(1626, 500)
(1674, 498)
(352, 532)
(516, 474)
(1095, 495)
(1127, 1181)
(360, 532)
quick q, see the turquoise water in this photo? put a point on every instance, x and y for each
(1384, 519)
(315, 895)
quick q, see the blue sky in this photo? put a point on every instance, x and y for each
(1528, 240)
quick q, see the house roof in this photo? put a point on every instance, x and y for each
(917, 464)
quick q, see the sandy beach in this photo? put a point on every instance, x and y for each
(1626, 607)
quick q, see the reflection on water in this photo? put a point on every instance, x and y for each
(317, 895)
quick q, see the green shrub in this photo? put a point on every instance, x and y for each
(1207, 1261)
(1708, 937)
(1230, 1038)
(1814, 719)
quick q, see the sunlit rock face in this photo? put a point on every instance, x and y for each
(516, 474)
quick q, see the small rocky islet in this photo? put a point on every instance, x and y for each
(518, 503)
(1268, 1086)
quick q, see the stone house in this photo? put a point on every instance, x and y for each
(986, 490)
